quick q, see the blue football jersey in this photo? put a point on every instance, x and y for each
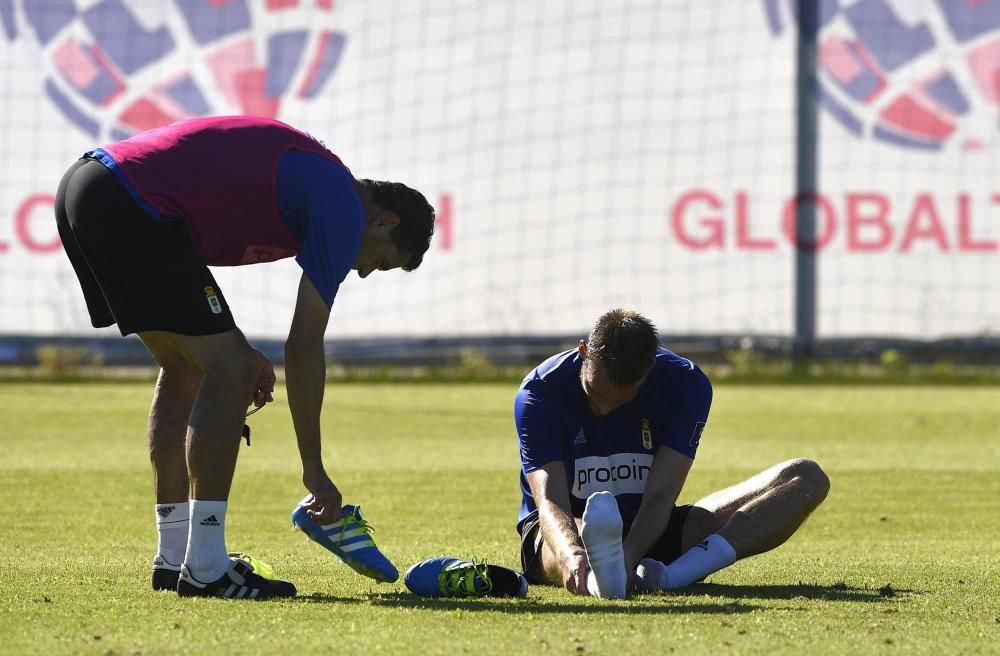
(321, 208)
(612, 453)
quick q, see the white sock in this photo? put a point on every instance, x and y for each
(172, 531)
(206, 557)
(650, 576)
(710, 555)
(592, 588)
(601, 532)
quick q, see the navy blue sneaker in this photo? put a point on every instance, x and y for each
(349, 538)
(454, 577)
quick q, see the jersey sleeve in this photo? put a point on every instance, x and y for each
(320, 206)
(539, 427)
(687, 413)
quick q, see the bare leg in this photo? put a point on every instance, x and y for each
(550, 569)
(762, 512)
(173, 399)
(214, 433)
(550, 566)
(228, 372)
(226, 367)
(746, 519)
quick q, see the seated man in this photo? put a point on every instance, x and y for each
(608, 433)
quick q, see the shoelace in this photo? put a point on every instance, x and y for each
(462, 580)
(361, 522)
(257, 566)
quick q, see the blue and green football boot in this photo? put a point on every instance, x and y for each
(349, 538)
(454, 577)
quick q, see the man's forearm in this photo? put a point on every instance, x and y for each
(647, 527)
(666, 478)
(305, 379)
(558, 529)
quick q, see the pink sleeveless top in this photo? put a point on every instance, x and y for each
(218, 175)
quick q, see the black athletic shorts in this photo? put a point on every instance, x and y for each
(666, 549)
(136, 271)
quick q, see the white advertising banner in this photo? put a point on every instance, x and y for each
(581, 154)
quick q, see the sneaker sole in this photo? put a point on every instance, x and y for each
(185, 589)
(165, 579)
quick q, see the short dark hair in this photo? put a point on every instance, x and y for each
(625, 343)
(416, 218)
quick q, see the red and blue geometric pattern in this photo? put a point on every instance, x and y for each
(895, 80)
(117, 67)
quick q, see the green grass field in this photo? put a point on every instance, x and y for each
(902, 558)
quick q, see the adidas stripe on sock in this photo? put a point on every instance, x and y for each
(206, 557)
(706, 557)
(601, 531)
(172, 531)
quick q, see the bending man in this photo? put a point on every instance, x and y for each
(142, 219)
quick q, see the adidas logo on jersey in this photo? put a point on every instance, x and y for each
(580, 438)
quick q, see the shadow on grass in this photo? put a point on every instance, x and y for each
(521, 606)
(730, 600)
(834, 592)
